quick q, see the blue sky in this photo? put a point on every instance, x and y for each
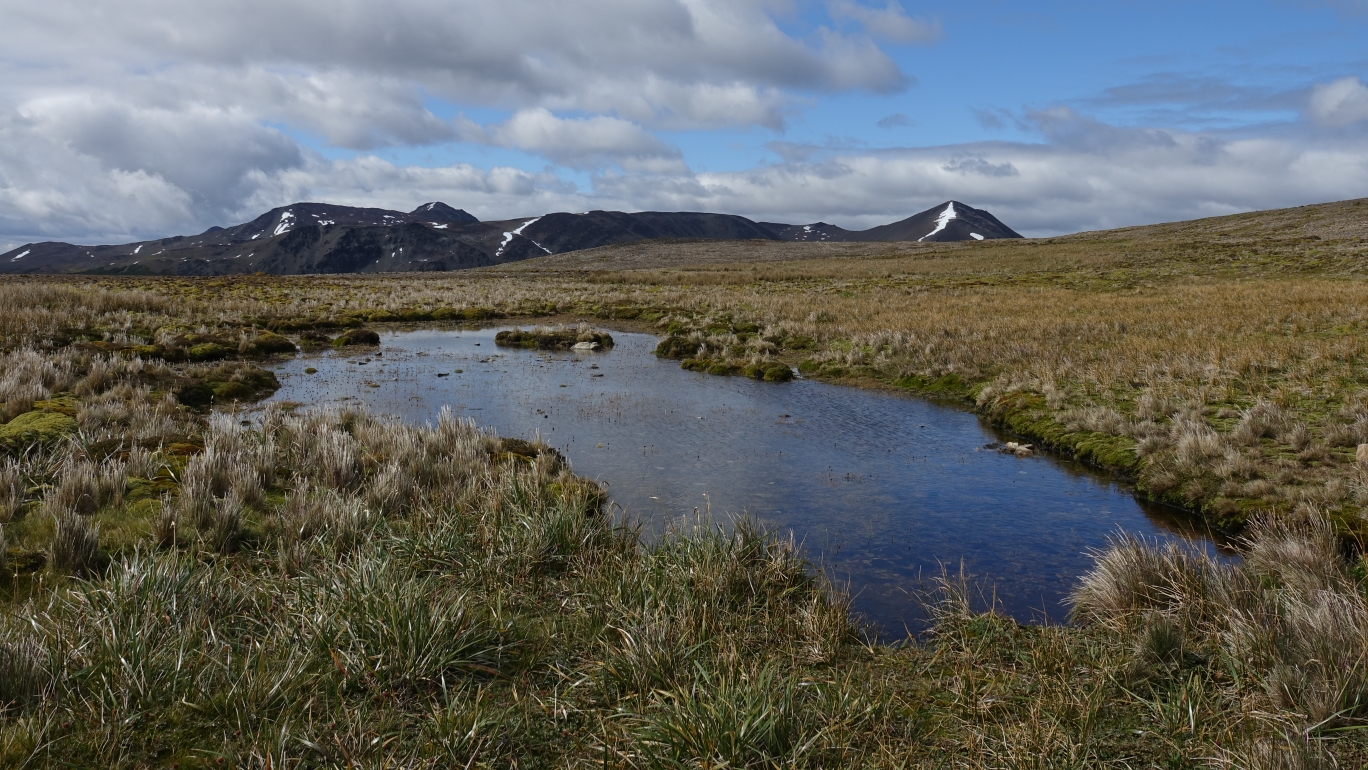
(138, 118)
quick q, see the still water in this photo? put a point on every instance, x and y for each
(884, 491)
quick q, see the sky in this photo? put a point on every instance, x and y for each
(133, 119)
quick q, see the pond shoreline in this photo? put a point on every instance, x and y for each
(1019, 421)
(883, 486)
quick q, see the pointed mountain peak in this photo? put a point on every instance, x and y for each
(440, 212)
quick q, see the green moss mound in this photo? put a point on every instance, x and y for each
(361, 336)
(676, 347)
(208, 351)
(551, 339)
(270, 343)
(36, 427)
(229, 382)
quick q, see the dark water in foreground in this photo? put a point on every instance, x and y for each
(883, 490)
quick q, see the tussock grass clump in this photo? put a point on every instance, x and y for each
(84, 487)
(1289, 618)
(24, 670)
(75, 544)
(13, 489)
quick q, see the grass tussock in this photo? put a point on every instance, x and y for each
(1289, 622)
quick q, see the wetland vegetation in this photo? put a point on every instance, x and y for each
(559, 338)
(335, 589)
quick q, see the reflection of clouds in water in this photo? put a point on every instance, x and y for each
(881, 489)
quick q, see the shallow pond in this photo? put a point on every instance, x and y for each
(883, 490)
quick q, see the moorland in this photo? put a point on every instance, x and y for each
(335, 589)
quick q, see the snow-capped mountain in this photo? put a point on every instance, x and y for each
(950, 221)
(323, 238)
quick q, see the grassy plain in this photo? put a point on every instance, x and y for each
(338, 591)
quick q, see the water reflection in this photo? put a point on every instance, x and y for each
(885, 491)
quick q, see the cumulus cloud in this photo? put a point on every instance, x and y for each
(679, 62)
(1088, 176)
(203, 111)
(580, 143)
(52, 190)
(131, 119)
(1340, 103)
(1084, 175)
(889, 23)
(206, 152)
(497, 193)
(979, 165)
(49, 190)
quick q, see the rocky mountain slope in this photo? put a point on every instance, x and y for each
(323, 238)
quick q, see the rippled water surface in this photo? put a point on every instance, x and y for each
(883, 490)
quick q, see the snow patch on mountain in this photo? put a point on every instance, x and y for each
(518, 231)
(286, 220)
(23, 254)
(942, 221)
(135, 251)
(976, 236)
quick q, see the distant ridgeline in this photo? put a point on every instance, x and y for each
(322, 238)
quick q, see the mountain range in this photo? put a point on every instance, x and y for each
(323, 238)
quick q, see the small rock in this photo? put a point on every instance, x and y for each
(1013, 448)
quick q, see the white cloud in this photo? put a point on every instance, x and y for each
(1340, 103)
(204, 151)
(1086, 175)
(889, 23)
(137, 118)
(497, 193)
(679, 62)
(580, 143)
(50, 189)
(1090, 177)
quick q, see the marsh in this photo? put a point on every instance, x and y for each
(884, 490)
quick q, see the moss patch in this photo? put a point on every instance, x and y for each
(269, 343)
(357, 337)
(551, 339)
(228, 382)
(676, 347)
(36, 427)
